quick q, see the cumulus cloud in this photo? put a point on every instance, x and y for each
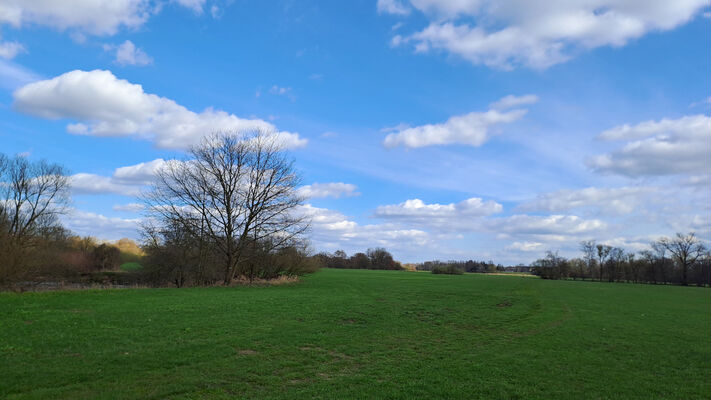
(139, 174)
(655, 148)
(601, 200)
(92, 17)
(331, 229)
(84, 183)
(128, 54)
(104, 105)
(125, 181)
(452, 216)
(472, 129)
(538, 34)
(92, 224)
(332, 189)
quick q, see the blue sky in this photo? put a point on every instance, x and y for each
(438, 129)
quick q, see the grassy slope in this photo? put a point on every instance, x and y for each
(131, 266)
(361, 334)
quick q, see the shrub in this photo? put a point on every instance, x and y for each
(447, 269)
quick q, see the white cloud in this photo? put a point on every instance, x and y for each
(332, 230)
(392, 7)
(512, 101)
(666, 147)
(279, 90)
(332, 189)
(130, 207)
(551, 227)
(8, 50)
(139, 174)
(128, 54)
(84, 183)
(96, 17)
(602, 200)
(282, 91)
(92, 17)
(108, 106)
(630, 244)
(538, 34)
(125, 181)
(91, 224)
(526, 246)
(215, 11)
(453, 216)
(195, 5)
(471, 129)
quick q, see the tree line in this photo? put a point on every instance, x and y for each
(453, 267)
(227, 211)
(376, 258)
(681, 260)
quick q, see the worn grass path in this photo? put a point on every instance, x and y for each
(361, 334)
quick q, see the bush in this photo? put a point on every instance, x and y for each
(106, 257)
(447, 269)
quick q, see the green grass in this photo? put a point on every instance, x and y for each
(361, 334)
(131, 266)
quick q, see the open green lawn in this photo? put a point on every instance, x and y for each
(361, 334)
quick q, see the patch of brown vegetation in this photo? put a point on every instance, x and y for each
(281, 280)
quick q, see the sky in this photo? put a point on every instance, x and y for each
(438, 129)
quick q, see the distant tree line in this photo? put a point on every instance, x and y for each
(681, 260)
(462, 266)
(377, 258)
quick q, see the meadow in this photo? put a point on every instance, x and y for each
(343, 334)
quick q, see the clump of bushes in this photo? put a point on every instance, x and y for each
(447, 269)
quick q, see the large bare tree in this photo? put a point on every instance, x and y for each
(686, 251)
(234, 189)
(32, 196)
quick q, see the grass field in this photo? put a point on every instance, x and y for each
(131, 266)
(361, 334)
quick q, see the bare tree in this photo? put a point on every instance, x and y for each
(32, 196)
(235, 189)
(686, 250)
(588, 249)
(616, 258)
(603, 251)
